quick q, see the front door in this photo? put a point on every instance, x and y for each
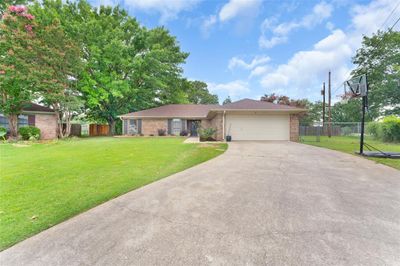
(193, 126)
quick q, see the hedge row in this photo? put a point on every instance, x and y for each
(388, 130)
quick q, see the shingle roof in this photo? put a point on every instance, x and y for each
(248, 104)
(202, 110)
(176, 110)
(33, 107)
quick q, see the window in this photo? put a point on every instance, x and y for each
(22, 121)
(176, 126)
(132, 128)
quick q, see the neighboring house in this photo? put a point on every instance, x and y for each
(36, 115)
(243, 120)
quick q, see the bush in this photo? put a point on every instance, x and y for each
(3, 133)
(29, 133)
(162, 132)
(374, 129)
(184, 133)
(207, 134)
(391, 129)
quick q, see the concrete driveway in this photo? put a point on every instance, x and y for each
(274, 203)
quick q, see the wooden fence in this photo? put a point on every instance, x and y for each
(98, 130)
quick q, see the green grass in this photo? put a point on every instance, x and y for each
(44, 184)
(352, 144)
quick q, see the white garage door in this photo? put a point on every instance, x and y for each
(258, 127)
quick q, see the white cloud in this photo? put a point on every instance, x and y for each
(259, 70)
(303, 74)
(236, 8)
(245, 9)
(207, 24)
(236, 62)
(273, 34)
(167, 9)
(234, 88)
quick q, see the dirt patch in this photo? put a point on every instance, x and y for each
(19, 145)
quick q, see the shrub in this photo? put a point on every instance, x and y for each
(29, 133)
(207, 134)
(184, 133)
(162, 132)
(374, 129)
(391, 129)
(3, 133)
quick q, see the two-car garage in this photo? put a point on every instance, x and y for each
(258, 126)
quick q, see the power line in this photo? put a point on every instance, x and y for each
(394, 24)
(379, 40)
(391, 13)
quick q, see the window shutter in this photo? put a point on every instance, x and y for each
(183, 124)
(139, 126)
(31, 120)
(169, 126)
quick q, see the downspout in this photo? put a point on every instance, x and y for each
(223, 125)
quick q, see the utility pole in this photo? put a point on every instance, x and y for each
(329, 106)
(323, 104)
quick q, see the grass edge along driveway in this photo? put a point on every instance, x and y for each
(42, 185)
(350, 144)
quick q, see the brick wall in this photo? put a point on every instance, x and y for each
(294, 128)
(151, 126)
(47, 125)
(216, 123)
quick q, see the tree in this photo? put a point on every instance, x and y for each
(18, 67)
(379, 57)
(198, 93)
(127, 67)
(227, 100)
(60, 60)
(4, 4)
(347, 111)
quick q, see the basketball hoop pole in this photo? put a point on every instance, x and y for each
(364, 100)
(364, 106)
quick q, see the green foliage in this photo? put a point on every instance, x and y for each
(18, 66)
(207, 134)
(3, 133)
(391, 129)
(388, 130)
(348, 112)
(374, 129)
(29, 133)
(379, 57)
(198, 93)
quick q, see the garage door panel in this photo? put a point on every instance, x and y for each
(258, 127)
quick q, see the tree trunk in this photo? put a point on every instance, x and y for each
(111, 125)
(60, 131)
(13, 125)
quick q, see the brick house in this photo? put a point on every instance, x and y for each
(242, 120)
(36, 115)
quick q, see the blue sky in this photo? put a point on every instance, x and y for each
(246, 48)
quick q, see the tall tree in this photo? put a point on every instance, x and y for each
(18, 67)
(347, 111)
(197, 92)
(60, 63)
(379, 57)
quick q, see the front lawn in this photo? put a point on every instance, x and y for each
(352, 144)
(44, 184)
